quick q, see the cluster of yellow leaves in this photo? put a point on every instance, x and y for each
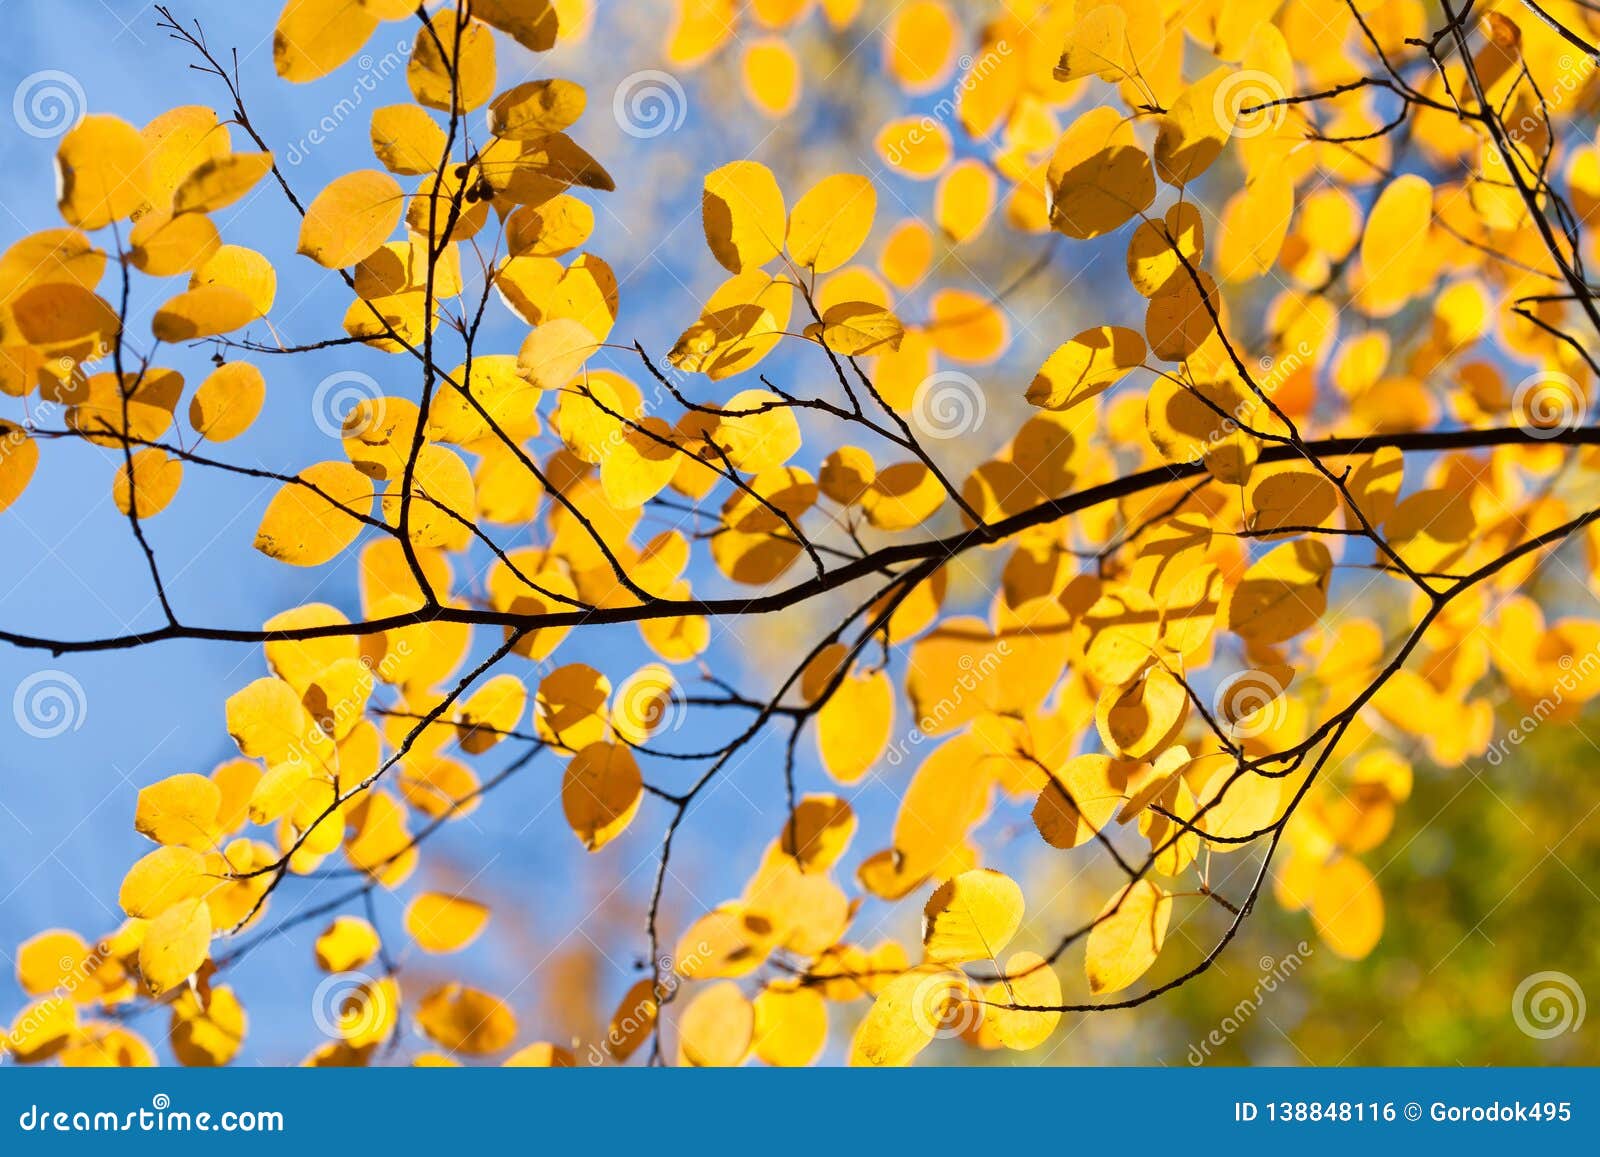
(166, 179)
(1081, 690)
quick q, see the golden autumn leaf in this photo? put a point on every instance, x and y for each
(1127, 937)
(971, 917)
(742, 211)
(350, 218)
(600, 792)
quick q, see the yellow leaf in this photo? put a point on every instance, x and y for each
(791, 1025)
(771, 74)
(1234, 807)
(1192, 132)
(857, 327)
(100, 171)
(1079, 801)
(494, 708)
(831, 222)
(1182, 315)
(442, 500)
(228, 401)
(534, 24)
(541, 1055)
(242, 269)
(53, 959)
(441, 923)
(554, 352)
(467, 1020)
(350, 218)
(155, 478)
(181, 809)
(161, 879)
(1126, 939)
(1099, 176)
(730, 940)
(207, 1030)
(920, 44)
(1030, 980)
(346, 944)
(1140, 719)
(535, 109)
(314, 37)
(449, 71)
(1254, 225)
(717, 1027)
(180, 140)
(964, 200)
(971, 917)
(743, 213)
(203, 312)
(853, 726)
(1160, 252)
(905, 1017)
(1347, 908)
(406, 140)
(175, 943)
(19, 456)
(306, 525)
(163, 246)
(967, 327)
(915, 147)
(600, 793)
(220, 181)
(1282, 594)
(549, 229)
(1085, 367)
(907, 254)
(633, 1021)
(819, 831)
